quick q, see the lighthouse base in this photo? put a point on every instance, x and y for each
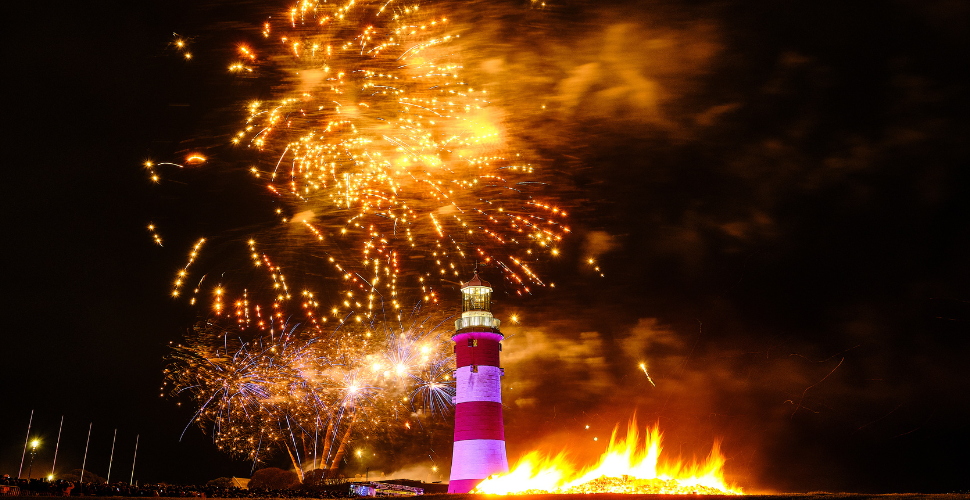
(463, 485)
(474, 460)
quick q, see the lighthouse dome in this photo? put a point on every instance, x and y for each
(477, 282)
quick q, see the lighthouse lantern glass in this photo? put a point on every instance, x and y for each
(476, 298)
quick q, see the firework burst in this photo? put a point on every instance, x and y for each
(296, 391)
(381, 158)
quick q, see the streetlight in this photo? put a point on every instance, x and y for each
(33, 451)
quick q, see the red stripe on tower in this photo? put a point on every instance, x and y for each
(483, 351)
(479, 420)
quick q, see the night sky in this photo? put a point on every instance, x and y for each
(777, 193)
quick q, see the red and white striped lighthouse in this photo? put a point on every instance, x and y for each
(479, 433)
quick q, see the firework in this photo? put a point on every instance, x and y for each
(307, 394)
(383, 159)
(643, 367)
(388, 171)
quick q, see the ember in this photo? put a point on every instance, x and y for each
(627, 484)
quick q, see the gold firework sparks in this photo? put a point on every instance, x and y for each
(382, 157)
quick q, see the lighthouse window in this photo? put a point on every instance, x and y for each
(471, 343)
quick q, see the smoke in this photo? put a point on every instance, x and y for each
(597, 243)
(558, 382)
(424, 471)
(758, 395)
(577, 64)
(302, 217)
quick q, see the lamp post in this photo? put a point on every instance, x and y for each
(33, 451)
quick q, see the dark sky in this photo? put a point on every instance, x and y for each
(777, 192)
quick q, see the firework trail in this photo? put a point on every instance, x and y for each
(643, 368)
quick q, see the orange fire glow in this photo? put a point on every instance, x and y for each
(625, 467)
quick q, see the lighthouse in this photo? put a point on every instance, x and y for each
(479, 433)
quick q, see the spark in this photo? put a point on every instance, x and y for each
(643, 367)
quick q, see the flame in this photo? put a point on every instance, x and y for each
(625, 467)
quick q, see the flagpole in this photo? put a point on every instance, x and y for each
(85, 461)
(132, 481)
(31, 421)
(58, 445)
(112, 459)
